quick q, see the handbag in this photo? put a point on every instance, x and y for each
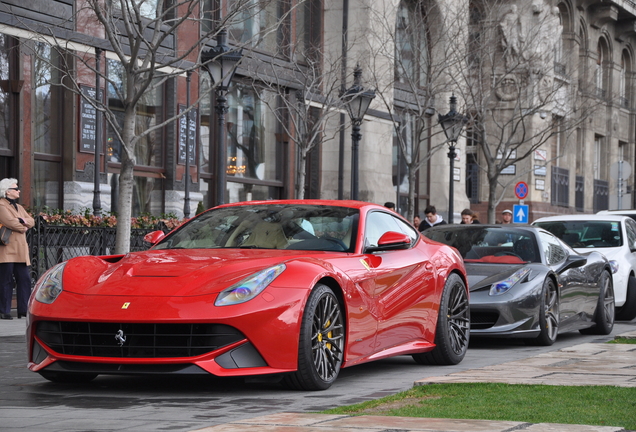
(5, 234)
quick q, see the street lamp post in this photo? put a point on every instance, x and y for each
(97, 199)
(357, 101)
(221, 62)
(186, 176)
(452, 123)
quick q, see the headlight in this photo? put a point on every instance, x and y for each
(614, 266)
(503, 286)
(49, 287)
(250, 287)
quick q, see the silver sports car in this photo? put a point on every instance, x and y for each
(526, 283)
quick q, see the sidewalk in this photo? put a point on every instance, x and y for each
(585, 364)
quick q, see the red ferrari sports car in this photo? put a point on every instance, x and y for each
(297, 288)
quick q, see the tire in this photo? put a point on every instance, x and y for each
(548, 315)
(627, 312)
(321, 342)
(453, 326)
(605, 308)
(68, 377)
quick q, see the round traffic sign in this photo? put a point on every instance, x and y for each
(521, 190)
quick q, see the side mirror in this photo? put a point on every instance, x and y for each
(154, 237)
(633, 247)
(391, 240)
(574, 261)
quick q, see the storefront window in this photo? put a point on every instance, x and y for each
(251, 139)
(46, 184)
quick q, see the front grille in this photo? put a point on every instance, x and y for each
(141, 340)
(483, 320)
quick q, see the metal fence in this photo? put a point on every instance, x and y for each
(52, 244)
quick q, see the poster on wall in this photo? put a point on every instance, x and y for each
(539, 184)
(187, 134)
(88, 120)
(510, 169)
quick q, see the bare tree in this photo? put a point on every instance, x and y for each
(414, 39)
(305, 97)
(141, 34)
(515, 89)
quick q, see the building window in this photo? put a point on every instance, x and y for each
(623, 83)
(258, 24)
(600, 73)
(599, 167)
(9, 105)
(411, 44)
(472, 178)
(149, 149)
(147, 8)
(579, 194)
(47, 125)
(308, 31)
(560, 187)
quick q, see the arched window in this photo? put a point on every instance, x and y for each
(411, 44)
(600, 73)
(623, 84)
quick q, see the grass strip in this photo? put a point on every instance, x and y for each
(620, 340)
(589, 405)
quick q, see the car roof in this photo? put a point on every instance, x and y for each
(332, 203)
(587, 217)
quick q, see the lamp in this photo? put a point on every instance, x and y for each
(452, 123)
(357, 101)
(221, 62)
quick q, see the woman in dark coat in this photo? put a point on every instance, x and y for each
(14, 257)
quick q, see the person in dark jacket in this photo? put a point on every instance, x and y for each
(431, 219)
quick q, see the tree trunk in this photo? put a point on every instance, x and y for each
(300, 177)
(492, 197)
(126, 184)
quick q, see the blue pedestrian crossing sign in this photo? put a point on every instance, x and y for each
(520, 213)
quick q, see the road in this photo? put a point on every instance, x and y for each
(186, 403)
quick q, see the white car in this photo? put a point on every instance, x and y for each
(612, 235)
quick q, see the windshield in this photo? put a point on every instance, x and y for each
(496, 245)
(295, 227)
(586, 234)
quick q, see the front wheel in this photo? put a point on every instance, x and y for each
(548, 314)
(321, 343)
(453, 326)
(605, 308)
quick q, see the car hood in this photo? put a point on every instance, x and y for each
(182, 272)
(481, 275)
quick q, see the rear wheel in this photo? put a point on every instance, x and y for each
(68, 377)
(627, 312)
(548, 315)
(453, 326)
(605, 308)
(321, 345)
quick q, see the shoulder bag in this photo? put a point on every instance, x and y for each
(5, 235)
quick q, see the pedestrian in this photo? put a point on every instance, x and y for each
(506, 216)
(416, 221)
(14, 257)
(390, 205)
(431, 219)
(467, 216)
(475, 218)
